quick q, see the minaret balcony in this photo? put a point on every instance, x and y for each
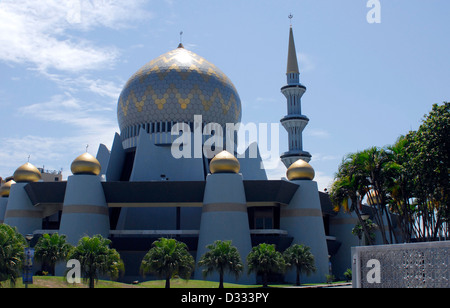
(293, 89)
(290, 121)
(291, 157)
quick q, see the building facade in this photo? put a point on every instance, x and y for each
(139, 190)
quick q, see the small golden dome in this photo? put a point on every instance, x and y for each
(86, 164)
(224, 162)
(27, 173)
(5, 189)
(300, 170)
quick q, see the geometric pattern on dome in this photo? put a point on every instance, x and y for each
(173, 88)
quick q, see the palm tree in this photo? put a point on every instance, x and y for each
(222, 257)
(265, 260)
(300, 257)
(350, 184)
(12, 245)
(167, 258)
(97, 258)
(373, 163)
(50, 249)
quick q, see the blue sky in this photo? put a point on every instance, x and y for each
(64, 63)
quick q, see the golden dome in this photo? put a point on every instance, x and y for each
(224, 162)
(300, 170)
(176, 86)
(27, 173)
(5, 189)
(86, 164)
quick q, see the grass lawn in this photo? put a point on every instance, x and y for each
(60, 282)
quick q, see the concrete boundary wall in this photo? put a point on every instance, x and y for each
(414, 265)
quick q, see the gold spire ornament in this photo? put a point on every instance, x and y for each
(6, 188)
(224, 162)
(86, 164)
(27, 173)
(300, 170)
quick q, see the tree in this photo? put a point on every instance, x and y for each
(222, 257)
(428, 151)
(373, 163)
(12, 245)
(265, 260)
(301, 258)
(167, 258)
(97, 258)
(360, 173)
(370, 226)
(400, 189)
(349, 189)
(409, 180)
(51, 249)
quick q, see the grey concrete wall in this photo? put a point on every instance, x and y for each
(103, 155)
(85, 212)
(302, 219)
(225, 217)
(3, 204)
(116, 160)
(341, 227)
(20, 212)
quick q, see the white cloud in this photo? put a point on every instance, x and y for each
(319, 133)
(49, 152)
(49, 36)
(91, 124)
(323, 180)
(113, 14)
(104, 88)
(36, 32)
(65, 109)
(32, 35)
(319, 156)
(74, 84)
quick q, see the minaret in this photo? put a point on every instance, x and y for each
(294, 122)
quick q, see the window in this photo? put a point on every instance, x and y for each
(261, 218)
(263, 223)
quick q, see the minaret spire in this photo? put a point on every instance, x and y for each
(294, 122)
(292, 65)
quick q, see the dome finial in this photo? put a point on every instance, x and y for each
(181, 40)
(86, 164)
(300, 170)
(224, 162)
(290, 18)
(27, 173)
(6, 188)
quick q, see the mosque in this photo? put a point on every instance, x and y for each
(138, 191)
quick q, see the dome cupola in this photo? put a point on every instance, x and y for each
(300, 170)
(27, 173)
(172, 89)
(6, 188)
(224, 162)
(86, 164)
